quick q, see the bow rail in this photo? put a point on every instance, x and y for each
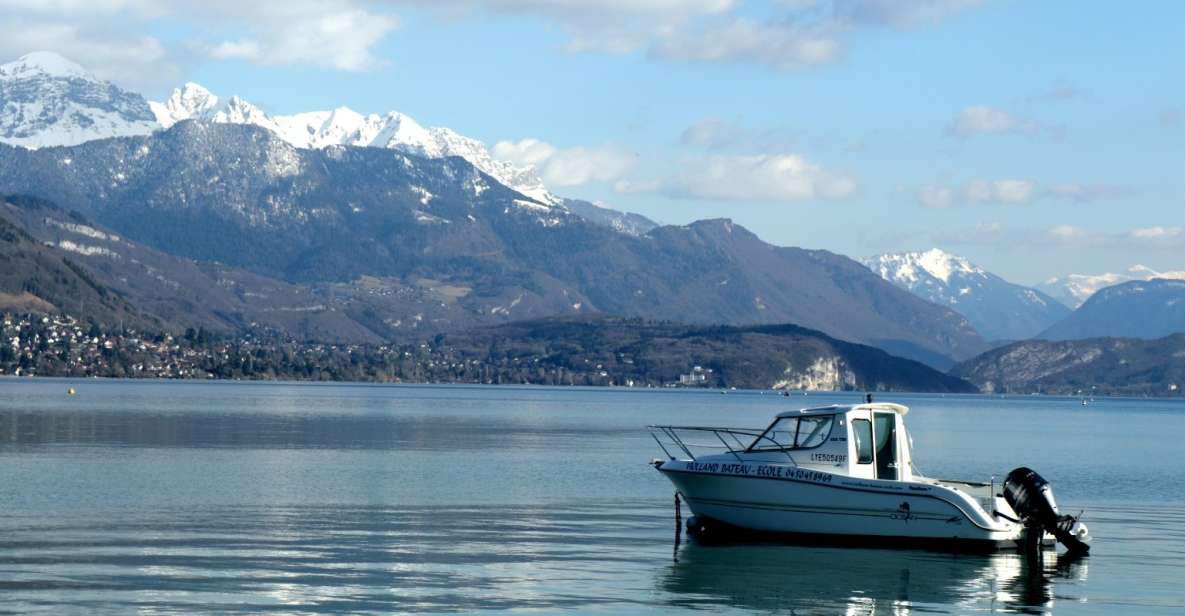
(731, 440)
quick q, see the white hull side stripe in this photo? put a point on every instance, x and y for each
(903, 494)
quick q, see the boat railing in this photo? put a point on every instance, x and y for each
(729, 440)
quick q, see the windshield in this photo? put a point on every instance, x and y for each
(795, 433)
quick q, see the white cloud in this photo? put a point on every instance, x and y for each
(107, 35)
(1013, 192)
(983, 120)
(609, 26)
(1065, 235)
(524, 153)
(803, 34)
(336, 34)
(567, 166)
(766, 177)
(1157, 233)
(798, 33)
(1000, 191)
(1068, 233)
(1006, 191)
(778, 45)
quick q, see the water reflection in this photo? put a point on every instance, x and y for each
(826, 580)
(267, 430)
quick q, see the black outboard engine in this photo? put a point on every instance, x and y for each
(1031, 497)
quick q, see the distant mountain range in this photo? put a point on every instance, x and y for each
(47, 100)
(238, 195)
(207, 211)
(1137, 309)
(1096, 366)
(998, 309)
(1074, 289)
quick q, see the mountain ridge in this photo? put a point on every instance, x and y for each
(998, 309)
(340, 213)
(79, 107)
(1074, 289)
(1093, 366)
(1145, 309)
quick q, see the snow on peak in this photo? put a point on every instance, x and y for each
(909, 268)
(188, 101)
(1074, 289)
(941, 264)
(344, 126)
(45, 63)
(48, 100)
(193, 102)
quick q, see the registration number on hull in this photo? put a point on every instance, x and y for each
(759, 470)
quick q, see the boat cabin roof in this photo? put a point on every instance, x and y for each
(844, 408)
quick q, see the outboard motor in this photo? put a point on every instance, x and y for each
(1031, 497)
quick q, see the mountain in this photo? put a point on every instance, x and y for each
(1073, 289)
(38, 278)
(47, 100)
(1137, 309)
(1102, 366)
(754, 357)
(185, 293)
(240, 196)
(998, 309)
(344, 126)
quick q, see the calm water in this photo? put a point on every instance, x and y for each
(226, 497)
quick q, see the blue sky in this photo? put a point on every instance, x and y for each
(1036, 138)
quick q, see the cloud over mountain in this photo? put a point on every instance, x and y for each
(761, 177)
(567, 166)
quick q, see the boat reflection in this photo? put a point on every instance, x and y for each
(854, 581)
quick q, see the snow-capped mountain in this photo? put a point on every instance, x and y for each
(1134, 309)
(1074, 289)
(999, 309)
(344, 126)
(47, 100)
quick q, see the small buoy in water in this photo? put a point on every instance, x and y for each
(70, 392)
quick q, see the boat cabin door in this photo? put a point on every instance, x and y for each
(873, 438)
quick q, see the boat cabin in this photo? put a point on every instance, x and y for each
(865, 440)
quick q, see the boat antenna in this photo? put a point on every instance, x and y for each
(868, 398)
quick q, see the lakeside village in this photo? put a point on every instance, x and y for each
(60, 345)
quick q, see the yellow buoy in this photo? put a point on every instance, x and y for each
(71, 391)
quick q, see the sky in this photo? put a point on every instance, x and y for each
(1037, 139)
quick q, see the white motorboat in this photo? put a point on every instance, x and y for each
(847, 471)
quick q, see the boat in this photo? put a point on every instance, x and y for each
(847, 472)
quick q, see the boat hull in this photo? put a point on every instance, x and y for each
(812, 503)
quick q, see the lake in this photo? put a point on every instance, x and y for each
(171, 497)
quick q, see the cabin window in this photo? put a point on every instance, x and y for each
(795, 433)
(813, 431)
(862, 432)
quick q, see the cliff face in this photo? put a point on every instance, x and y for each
(824, 374)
